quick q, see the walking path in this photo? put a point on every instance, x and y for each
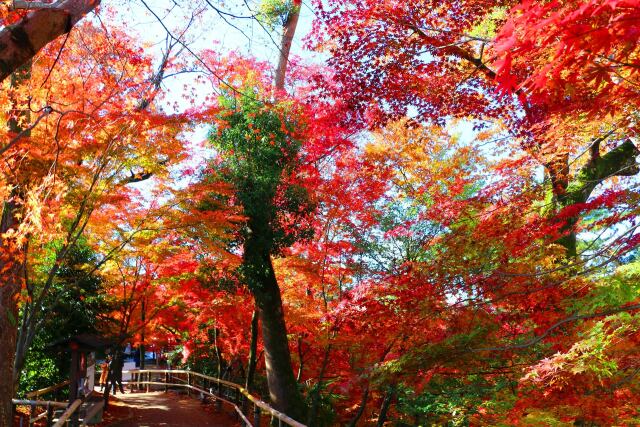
(159, 409)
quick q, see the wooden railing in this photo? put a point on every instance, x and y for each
(51, 406)
(48, 406)
(37, 393)
(221, 391)
(73, 408)
(68, 413)
(244, 403)
(42, 409)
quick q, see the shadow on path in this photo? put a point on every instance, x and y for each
(159, 409)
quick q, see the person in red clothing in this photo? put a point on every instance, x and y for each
(104, 374)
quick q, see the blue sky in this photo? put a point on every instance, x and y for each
(210, 31)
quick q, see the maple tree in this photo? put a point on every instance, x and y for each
(52, 190)
(435, 64)
(386, 77)
(72, 306)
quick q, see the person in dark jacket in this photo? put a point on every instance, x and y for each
(136, 358)
(116, 373)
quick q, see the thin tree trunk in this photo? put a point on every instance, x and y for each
(363, 405)
(386, 404)
(315, 400)
(107, 390)
(301, 360)
(217, 350)
(143, 313)
(288, 32)
(253, 351)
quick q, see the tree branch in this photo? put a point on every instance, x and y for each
(22, 41)
(556, 325)
(621, 161)
(25, 132)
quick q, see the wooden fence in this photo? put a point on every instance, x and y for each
(245, 404)
(50, 407)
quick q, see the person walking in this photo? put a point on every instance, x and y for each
(104, 372)
(116, 380)
(136, 357)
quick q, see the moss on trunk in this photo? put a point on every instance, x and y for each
(620, 161)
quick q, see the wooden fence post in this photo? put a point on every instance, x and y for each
(256, 416)
(188, 384)
(32, 413)
(166, 382)
(49, 415)
(245, 405)
(219, 404)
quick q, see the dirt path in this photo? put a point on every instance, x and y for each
(161, 409)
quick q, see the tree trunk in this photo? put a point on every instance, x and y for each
(21, 41)
(9, 290)
(288, 32)
(253, 352)
(315, 400)
(619, 161)
(217, 351)
(143, 313)
(300, 360)
(12, 259)
(363, 405)
(384, 409)
(261, 278)
(107, 390)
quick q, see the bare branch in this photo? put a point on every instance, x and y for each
(25, 132)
